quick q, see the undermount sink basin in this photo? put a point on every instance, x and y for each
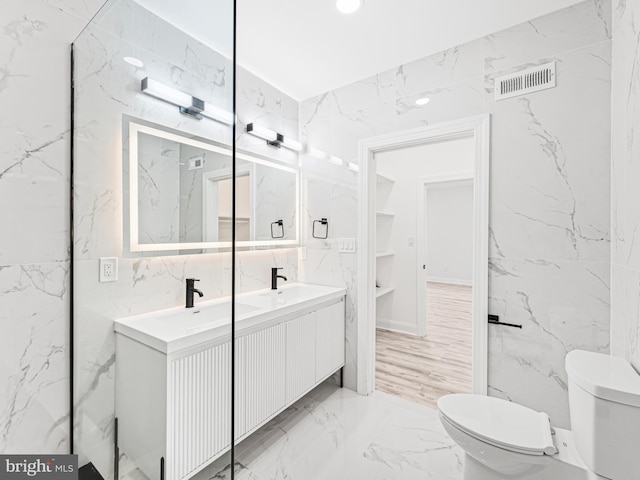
(177, 328)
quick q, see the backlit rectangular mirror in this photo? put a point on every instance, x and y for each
(179, 194)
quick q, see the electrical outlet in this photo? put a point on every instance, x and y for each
(108, 269)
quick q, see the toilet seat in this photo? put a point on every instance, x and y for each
(499, 422)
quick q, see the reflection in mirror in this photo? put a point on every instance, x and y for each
(180, 194)
(217, 222)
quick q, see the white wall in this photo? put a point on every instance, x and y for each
(405, 166)
(449, 232)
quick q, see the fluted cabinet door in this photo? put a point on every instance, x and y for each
(329, 340)
(301, 356)
(200, 410)
(260, 377)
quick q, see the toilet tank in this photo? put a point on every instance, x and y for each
(604, 402)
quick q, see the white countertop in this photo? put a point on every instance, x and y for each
(178, 328)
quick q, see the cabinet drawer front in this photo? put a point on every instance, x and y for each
(199, 422)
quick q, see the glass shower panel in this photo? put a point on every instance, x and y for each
(291, 355)
(152, 262)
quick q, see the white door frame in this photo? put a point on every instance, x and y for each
(479, 127)
(452, 179)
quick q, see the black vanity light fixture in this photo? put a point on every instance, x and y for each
(273, 138)
(188, 105)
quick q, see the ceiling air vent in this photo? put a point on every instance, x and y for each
(526, 81)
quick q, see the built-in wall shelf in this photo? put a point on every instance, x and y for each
(384, 214)
(385, 217)
(382, 179)
(382, 291)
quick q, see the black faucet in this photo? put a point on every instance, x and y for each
(275, 277)
(191, 289)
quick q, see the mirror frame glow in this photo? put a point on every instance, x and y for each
(135, 246)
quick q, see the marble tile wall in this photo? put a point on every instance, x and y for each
(331, 192)
(550, 185)
(34, 202)
(625, 175)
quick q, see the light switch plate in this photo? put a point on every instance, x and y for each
(108, 269)
(346, 245)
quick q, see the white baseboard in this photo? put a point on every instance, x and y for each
(450, 281)
(394, 326)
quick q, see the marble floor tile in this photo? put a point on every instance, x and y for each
(334, 433)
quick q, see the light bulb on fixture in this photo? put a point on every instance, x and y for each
(336, 161)
(332, 159)
(348, 6)
(186, 103)
(314, 152)
(422, 101)
(134, 61)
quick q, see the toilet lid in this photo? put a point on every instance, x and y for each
(499, 422)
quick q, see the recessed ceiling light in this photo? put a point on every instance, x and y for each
(422, 101)
(134, 61)
(348, 6)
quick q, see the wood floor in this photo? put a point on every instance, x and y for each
(423, 369)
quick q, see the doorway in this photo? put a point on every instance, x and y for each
(445, 249)
(424, 265)
(371, 284)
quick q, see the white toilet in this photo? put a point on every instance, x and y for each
(504, 440)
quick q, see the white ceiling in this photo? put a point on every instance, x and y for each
(306, 47)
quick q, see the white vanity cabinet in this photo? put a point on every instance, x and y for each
(174, 403)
